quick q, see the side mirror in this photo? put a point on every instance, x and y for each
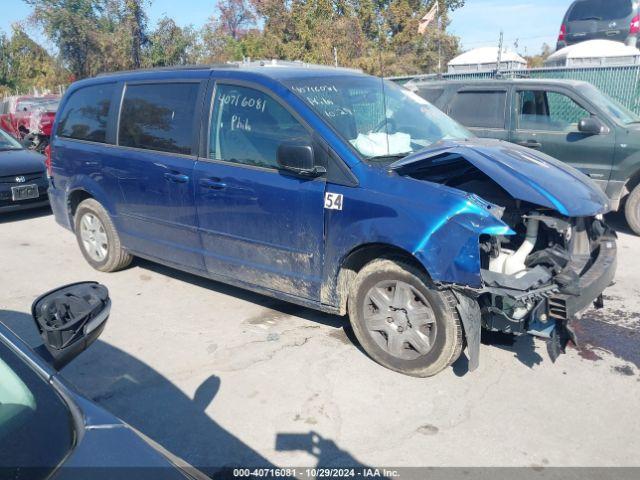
(299, 159)
(70, 319)
(592, 126)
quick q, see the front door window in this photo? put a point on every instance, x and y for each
(548, 111)
(248, 126)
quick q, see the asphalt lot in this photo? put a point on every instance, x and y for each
(220, 376)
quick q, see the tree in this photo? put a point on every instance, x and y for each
(136, 22)
(170, 44)
(235, 17)
(94, 36)
(537, 61)
(70, 24)
(25, 65)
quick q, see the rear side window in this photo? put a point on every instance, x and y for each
(600, 10)
(86, 113)
(480, 109)
(159, 117)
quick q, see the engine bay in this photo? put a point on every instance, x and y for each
(526, 276)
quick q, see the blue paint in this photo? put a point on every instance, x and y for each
(266, 229)
(526, 175)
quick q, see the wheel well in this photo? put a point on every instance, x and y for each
(633, 181)
(74, 200)
(358, 258)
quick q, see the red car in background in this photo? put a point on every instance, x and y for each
(29, 119)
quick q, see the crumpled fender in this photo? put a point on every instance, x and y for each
(450, 249)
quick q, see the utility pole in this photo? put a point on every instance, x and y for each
(500, 51)
(439, 17)
(335, 56)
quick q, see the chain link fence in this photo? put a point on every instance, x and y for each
(619, 82)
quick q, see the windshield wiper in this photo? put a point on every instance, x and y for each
(391, 156)
(591, 18)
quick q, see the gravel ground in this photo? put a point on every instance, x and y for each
(220, 376)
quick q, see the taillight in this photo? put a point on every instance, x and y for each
(634, 29)
(47, 160)
(563, 33)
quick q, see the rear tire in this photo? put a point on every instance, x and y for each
(98, 239)
(632, 210)
(402, 321)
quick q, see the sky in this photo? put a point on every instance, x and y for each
(478, 23)
(529, 22)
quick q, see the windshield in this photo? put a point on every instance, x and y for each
(381, 120)
(621, 113)
(7, 142)
(44, 104)
(36, 429)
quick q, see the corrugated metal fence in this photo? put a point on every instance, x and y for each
(619, 82)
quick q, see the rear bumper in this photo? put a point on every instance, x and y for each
(593, 282)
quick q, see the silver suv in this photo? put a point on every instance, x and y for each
(617, 20)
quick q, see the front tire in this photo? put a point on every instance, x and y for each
(632, 210)
(98, 239)
(402, 321)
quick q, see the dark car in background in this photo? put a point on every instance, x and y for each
(49, 431)
(570, 120)
(23, 177)
(617, 20)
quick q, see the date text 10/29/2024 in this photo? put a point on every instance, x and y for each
(309, 473)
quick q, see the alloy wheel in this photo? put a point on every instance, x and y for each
(94, 237)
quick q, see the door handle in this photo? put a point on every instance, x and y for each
(213, 183)
(176, 177)
(530, 144)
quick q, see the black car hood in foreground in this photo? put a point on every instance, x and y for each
(19, 162)
(111, 449)
(524, 173)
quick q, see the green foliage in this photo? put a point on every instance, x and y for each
(25, 65)
(537, 61)
(171, 45)
(379, 36)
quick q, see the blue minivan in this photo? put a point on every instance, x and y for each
(333, 190)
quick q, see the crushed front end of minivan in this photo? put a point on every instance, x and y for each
(554, 255)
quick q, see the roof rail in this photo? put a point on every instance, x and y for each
(171, 68)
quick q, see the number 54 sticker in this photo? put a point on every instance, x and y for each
(333, 201)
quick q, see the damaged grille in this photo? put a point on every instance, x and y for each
(557, 308)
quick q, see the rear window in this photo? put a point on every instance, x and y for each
(86, 113)
(159, 117)
(479, 109)
(600, 10)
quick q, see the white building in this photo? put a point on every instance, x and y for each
(594, 53)
(485, 60)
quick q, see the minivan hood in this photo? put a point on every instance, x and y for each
(525, 174)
